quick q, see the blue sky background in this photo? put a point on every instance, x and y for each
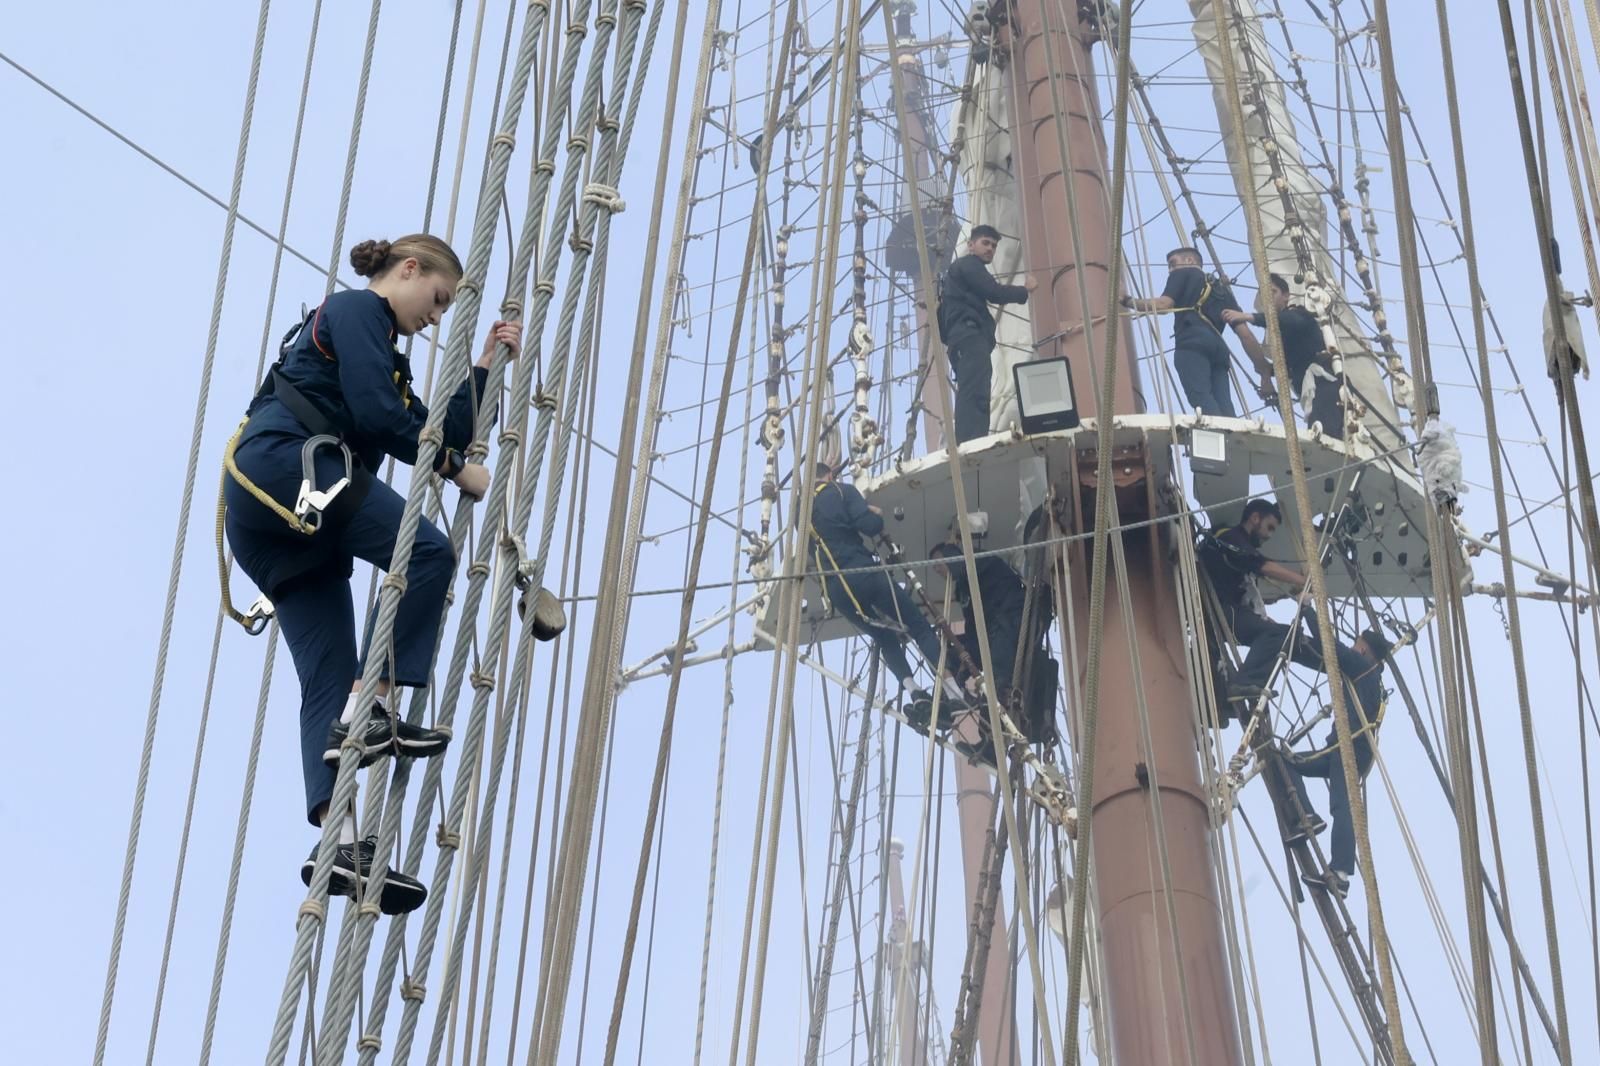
(111, 269)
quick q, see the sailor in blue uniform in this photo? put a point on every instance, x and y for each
(967, 326)
(1361, 666)
(1012, 623)
(1234, 562)
(873, 602)
(336, 404)
(1199, 304)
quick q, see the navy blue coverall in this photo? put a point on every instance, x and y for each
(1231, 559)
(1199, 354)
(966, 325)
(873, 602)
(1303, 345)
(1004, 598)
(1364, 682)
(344, 362)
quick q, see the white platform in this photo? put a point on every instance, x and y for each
(1385, 499)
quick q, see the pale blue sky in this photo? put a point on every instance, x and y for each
(112, 269)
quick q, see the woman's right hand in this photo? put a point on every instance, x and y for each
(473, 481)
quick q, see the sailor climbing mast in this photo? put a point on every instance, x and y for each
(1061, 156)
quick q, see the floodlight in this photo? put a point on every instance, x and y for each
(1044, 395)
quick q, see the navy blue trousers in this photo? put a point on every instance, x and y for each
(1265, 639)
(1201, 359)
(317, 617)
(1326, 764)
(971, 360)
(879, 597)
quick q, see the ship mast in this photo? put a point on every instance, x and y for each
(1164, 1004)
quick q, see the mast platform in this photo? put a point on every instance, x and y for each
(1379, 500)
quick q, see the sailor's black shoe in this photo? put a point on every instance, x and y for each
(397, 893)
(386, 735)
(1333, 880)
(980, 754)
(1244, 692)
(1307, 829)
(918, 711)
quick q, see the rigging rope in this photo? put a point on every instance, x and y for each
(147, 747)
(824, 970)
(810, 449)
(599, 692)
(940, 362)
(1314, 565)
(508, 572)
(455, 369)
(252, 761)
(1088, 724)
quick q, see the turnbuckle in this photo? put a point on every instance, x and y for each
(311, 503)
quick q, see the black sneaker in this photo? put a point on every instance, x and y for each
(1307, 829)
(918, 711)
(387, 735)
(1244, 692)
(398, 894)
(1333, 881)
(980, 754)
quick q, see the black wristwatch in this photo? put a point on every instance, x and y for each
(452, 464)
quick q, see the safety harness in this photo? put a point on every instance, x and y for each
(818, 547)
(1205, 294)
(313, 506)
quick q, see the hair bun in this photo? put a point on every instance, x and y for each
(369, 258)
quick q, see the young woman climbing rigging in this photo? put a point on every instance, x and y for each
(302, 503)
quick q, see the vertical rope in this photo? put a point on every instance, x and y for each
(147, 749)
(621, 540)
(1087, 726)
(455, 370)
(1461, 750)
(224, 935)
(607, 165)
(356, 118)
(1566, 393)
(511, 436)
(940, 359)
(1258, 255)
(824, 973)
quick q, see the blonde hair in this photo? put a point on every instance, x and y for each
(373, 259)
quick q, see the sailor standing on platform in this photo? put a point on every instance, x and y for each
(966, 325)
(1305, 355)
(1198, 303)
(1232, 559)
(881, 609)
(1362, 669)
